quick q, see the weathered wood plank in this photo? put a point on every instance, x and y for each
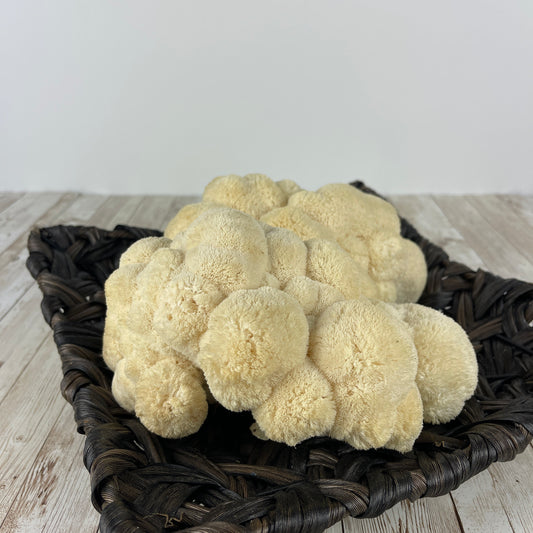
(427, 217)
(431, 514)
(520, 204)
(514, 485)
(14, 280)
(55, 495)
(81, 210)
(27, 412)
(115, 210)
(22, 331)
(152, 212)
(12, 372)
(8, 198)
(33, 493)
(20, 215)
(510, 224)
(491, 246)
(479, 506)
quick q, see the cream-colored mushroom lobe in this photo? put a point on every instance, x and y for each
(447, 369)
(254, 194)
(119, 289)
(182, 311)
(300, 407)
(170, 400)
(141, 251)
(254, 337)
(370, 359)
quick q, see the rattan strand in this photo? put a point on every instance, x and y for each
(222, 479)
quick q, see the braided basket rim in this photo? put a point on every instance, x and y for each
(202, 483)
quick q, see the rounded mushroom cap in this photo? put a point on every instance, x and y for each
(358, 342)
(447, 366)
(368, 356)
(296, 220)
(328, 263)
(111, 352)
(300, 407)
(185, 216)
(223, 227)
(142, 250)
(139, 353)
(123, 387)
(272, 281)
(287, 252)
(408, 424)
(163, 265)
(182, 311)
(254, 194)
(230, 270)
(289, 187)
(412, 273)
(119, 289)
(254, 337)
(356, 247)
(400, 262)
(312, 295)
(368, 213)
(169, 398)
(227, 247)
(321, 209)
(365, 416)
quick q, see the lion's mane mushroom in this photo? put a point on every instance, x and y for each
(365, 226)
(287, 303)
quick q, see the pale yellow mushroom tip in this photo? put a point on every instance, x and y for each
(182, 309)
(408, 424)
(254, 194)
(447, 372)
(300, 407)
(253, 339)
(170, 400)
(184, 218)
(142, 250)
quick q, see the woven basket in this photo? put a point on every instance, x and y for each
(222, 479)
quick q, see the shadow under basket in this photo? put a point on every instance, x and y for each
(223, 479)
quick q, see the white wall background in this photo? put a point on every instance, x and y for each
(162, 96)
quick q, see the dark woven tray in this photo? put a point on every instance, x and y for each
(222, 479)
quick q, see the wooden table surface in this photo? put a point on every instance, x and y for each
(43, 483)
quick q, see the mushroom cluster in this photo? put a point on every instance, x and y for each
(294, 305)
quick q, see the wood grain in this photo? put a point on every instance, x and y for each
(55, 491)
(28, 411)
(16, 219)
(43, 483)
(489, 243)
(432, 514)
(70, 209)
(8, 198)
(505, 221)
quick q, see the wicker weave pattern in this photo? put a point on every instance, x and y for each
(222, 479)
